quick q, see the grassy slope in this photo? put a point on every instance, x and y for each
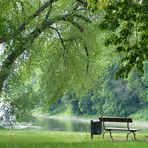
(48, 139)
(142, 113)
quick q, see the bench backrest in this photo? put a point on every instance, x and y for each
(115, 119)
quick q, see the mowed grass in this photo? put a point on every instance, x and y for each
(50, 139)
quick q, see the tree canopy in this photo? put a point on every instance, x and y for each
(128, 22)
(49, 46)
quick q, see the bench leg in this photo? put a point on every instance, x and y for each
(128, 135)
(134, 135)
(111, 135)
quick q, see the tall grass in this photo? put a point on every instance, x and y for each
(48, 139)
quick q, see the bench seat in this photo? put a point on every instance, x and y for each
(121, 129)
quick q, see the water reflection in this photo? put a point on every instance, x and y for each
(61, 125)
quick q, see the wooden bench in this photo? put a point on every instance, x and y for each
(117, 119)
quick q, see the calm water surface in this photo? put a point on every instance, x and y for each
(53, 124)
(71, 125)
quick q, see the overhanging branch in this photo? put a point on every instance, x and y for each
(35, 14)
(22, 26)
(47, 23)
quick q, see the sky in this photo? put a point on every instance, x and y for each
(1, 49)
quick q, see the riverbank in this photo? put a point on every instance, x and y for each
(48, 139)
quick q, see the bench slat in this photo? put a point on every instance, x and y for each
(115, 119)
(121, 129)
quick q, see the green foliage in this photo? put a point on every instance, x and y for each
(142, 113)
(128, 22)
(109, 96)
(145, 78)
(71, 102)
(48, 47)
(54, 46)
(93, 5)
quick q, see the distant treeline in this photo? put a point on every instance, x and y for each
(108, 96)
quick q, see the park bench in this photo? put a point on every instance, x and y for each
(115, 120)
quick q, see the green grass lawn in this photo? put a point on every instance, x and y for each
(48, 139)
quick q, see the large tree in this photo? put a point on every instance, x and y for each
(22, 25)
(47, 46)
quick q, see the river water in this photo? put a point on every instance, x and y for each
(71, 124)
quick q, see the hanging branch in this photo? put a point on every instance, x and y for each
(48, 12)
(60, 37)
(87, 54)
